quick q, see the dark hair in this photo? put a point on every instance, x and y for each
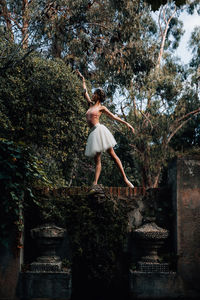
(101, 94)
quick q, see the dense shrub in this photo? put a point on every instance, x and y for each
(41, 105)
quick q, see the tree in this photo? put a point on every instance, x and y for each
(115, 44)
(160, 107)
(42, 106)
(189, 139)
(15, 15)
(103, 34)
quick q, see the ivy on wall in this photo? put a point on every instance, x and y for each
(97, 229)
(18, 170)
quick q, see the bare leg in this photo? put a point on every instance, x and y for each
(97, 160)
(119, 164)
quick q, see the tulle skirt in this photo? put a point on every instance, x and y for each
(100, 139)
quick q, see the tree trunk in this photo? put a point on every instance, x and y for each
(164, 34)
(6, 15)
(157, 178)
(25, 24)
(56, 43)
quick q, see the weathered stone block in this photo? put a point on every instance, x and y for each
(10, 260)
(150, 285)
(44, 285)
(184, 178)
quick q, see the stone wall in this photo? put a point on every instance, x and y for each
(11, 259)
(181, 282)
(184, 178)
(184, 227)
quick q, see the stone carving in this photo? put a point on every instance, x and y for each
(46, 277)
(149, 238)
(48, 238)
(151, 231)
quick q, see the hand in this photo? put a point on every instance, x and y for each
(131, 127)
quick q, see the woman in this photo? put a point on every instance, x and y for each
(100, 138)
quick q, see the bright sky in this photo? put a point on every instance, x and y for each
(189, 22)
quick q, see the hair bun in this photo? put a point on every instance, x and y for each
(100, 92)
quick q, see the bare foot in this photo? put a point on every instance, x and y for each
(128, 183)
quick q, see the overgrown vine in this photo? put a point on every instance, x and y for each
(18, 170)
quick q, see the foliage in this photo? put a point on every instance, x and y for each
(192, 5)
(162, 105)
(159, 104)
(42, 106)
(96, 227)
(97, 231)
(155, 4)
(187, 139)
(116, 44)
(90, 35)
(158, 110)
(18, 169)
(158, 208)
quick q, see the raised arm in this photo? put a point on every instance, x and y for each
(112, 116)
(86, 95)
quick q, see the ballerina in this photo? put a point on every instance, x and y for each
(100, 138)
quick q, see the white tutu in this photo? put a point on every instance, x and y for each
(100, 139)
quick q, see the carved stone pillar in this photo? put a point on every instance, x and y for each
(149, 239)
(48, 238)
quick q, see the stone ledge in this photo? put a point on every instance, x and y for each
(113, 191)
(148, 285)
(44, 285)
(162, 285)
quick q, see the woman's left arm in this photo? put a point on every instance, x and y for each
(112, 116)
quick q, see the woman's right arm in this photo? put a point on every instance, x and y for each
(86, 95)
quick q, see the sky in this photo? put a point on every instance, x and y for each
(189, 22)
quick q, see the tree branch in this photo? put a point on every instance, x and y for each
(15, 21)
(5, 13)
(122, 109)
(100, 25)
(136, 149)
(181, 125)
(146, 117)
(161, 31)
(164, 11)
(188, 114)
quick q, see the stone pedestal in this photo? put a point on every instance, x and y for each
(149, 238)
(155, 285)
(46, 279)
(152, 278)
(48, 238)
(53, 285)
